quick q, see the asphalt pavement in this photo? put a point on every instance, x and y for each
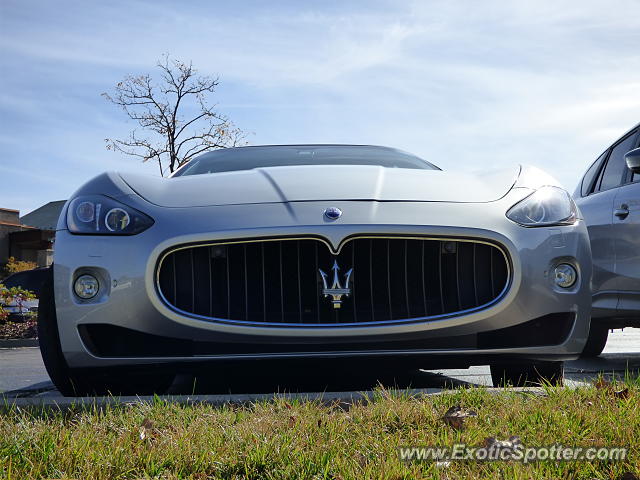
(22, 375)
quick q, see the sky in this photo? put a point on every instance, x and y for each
(467, 85)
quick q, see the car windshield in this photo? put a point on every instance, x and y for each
(247, 158)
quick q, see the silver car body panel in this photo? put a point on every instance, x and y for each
(284, 184)
(626, 234)
(126, 265)
(615, 245)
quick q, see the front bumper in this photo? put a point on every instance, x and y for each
(128, 298)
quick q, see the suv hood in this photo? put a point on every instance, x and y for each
(322, 183)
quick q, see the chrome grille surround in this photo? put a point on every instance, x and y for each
(467, 298)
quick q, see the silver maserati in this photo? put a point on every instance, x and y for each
(314, 253)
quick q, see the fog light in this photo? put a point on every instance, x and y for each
(565, 275)
(86, 286)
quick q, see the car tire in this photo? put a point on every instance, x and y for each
(49, 339)
(73, 383)
(535, 374)
(596, 342)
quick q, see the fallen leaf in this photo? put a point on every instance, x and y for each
(602, 384)
(625, 394)
(455, 416)
(146, 429)
(628, 476)
(510, 445)
(292, 421)
(511, 442)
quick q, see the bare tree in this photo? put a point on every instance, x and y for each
(175, 115)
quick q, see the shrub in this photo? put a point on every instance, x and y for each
(15, 295)
(14, 266)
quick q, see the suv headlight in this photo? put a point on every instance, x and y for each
(546, 206)
(98, 215)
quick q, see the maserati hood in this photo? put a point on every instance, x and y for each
(323, 183)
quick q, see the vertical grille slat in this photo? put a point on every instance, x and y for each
(406, 277)
(201, 293)
(318, 286)
(389, 286)
(424, 283)
(228, 283)
(210, 283)
(193, 282)
(281, 283)
(475, 280)
(298, 280)
(493, 291)
(184, 288)
(278, 281)
(167, 281)
(457, 254)
(175, 282)
(246, 282)
(353, 288)
(450, 279)
(264, 285)
(440, 248)
(373, 309)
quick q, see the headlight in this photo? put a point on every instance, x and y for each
(98, 215)
(546, 206)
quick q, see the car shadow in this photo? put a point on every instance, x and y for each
(337, 377)
(316, 379)
(340, 378)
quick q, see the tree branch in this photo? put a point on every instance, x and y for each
(159, 110)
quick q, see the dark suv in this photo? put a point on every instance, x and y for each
(609, 198)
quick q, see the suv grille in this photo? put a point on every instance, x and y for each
(278, 281)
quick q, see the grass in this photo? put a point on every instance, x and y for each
(285, 439)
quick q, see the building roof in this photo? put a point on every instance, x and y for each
(45, 217)
(9, 217)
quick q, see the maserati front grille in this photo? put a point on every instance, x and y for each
(301, 282)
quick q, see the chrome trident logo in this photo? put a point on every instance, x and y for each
(336, 291)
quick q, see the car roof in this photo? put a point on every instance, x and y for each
(630, 130)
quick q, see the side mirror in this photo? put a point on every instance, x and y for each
(633, 160)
